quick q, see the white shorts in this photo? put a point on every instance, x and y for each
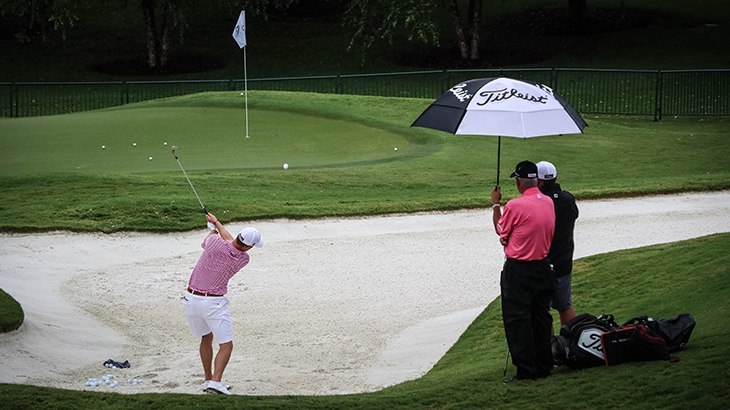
(208, 314)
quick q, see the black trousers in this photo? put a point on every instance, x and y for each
(527, 288)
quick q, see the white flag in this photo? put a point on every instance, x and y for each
(239, 33)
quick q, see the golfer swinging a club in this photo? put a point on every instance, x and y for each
(206, 306)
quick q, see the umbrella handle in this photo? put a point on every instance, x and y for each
(499, 149)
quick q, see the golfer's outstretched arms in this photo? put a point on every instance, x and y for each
(219, 226)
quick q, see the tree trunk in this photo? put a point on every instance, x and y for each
(463, 45)
(165, 43)
(148, 10)
(475, 18)
(577, 10)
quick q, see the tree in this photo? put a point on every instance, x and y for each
(468, 48)
(40, 18)
(417, 20)
(163, 18)
(158, 39)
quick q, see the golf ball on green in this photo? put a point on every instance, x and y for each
(286, 166)
(103, 147)
(150, 158)
(134, 144)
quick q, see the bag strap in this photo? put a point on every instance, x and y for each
(637, 320)
(608, 321)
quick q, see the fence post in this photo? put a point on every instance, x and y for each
(444, 82)
(554, 78)
(658, 97)
(124, 93)
(13, 99)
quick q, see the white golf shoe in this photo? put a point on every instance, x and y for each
(215, 387)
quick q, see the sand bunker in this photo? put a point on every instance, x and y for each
(328, 306)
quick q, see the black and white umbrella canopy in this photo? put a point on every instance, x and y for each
(501, 107)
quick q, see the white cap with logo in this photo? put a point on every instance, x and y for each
(251, 237)
(546, 171)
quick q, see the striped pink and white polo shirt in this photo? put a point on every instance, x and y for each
(217, 265)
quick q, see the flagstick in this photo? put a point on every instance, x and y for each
(245, 86)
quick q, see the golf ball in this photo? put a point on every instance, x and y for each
(395, 149)
(150, 158)
(134, 144)
(164, 143)
(286, 166)
(103, 147)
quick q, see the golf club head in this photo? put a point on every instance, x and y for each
(174, 148)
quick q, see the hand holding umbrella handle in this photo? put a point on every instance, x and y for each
(496, 195)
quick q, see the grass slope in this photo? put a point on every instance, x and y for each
(659, 281)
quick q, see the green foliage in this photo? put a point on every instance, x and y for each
(371, 21)
(11, 313)
(35, 19)
(660, 281)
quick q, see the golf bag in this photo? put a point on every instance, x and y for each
(588, 341)
(579, 343)
(633, 343)
(675, 331)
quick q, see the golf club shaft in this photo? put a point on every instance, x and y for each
(189, 182)
(506, 361)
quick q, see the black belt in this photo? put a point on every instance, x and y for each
(195, 292)
(522, 261)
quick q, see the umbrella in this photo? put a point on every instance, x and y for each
(501, 107)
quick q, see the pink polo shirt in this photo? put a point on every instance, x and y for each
(217, 265)
(529, 223)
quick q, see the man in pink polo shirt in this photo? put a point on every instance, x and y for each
(525, 230)
(206, 306)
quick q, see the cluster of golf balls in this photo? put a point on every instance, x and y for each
(109, 381)
(134, 144)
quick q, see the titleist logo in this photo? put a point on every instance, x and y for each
(590, 342)
(460, 92)
(491, 96)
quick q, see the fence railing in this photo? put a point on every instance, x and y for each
(591, 91)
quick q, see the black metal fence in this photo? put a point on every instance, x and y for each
(622, 92)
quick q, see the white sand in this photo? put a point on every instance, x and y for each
(326, 307)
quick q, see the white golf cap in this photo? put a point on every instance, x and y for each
(546, 170)
(251, 237)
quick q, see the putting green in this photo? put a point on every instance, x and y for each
(207, 138)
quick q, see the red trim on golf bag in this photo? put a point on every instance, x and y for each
(632, 343)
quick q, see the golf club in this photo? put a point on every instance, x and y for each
(174, 148)
(506, 361)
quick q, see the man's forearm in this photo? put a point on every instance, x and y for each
(496, 214)
(223, 231)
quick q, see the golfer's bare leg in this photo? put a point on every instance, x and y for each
(221, 360)
(206, 355)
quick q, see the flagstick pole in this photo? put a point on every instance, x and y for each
(245, 86)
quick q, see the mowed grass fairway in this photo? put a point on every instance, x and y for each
(340, 151)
